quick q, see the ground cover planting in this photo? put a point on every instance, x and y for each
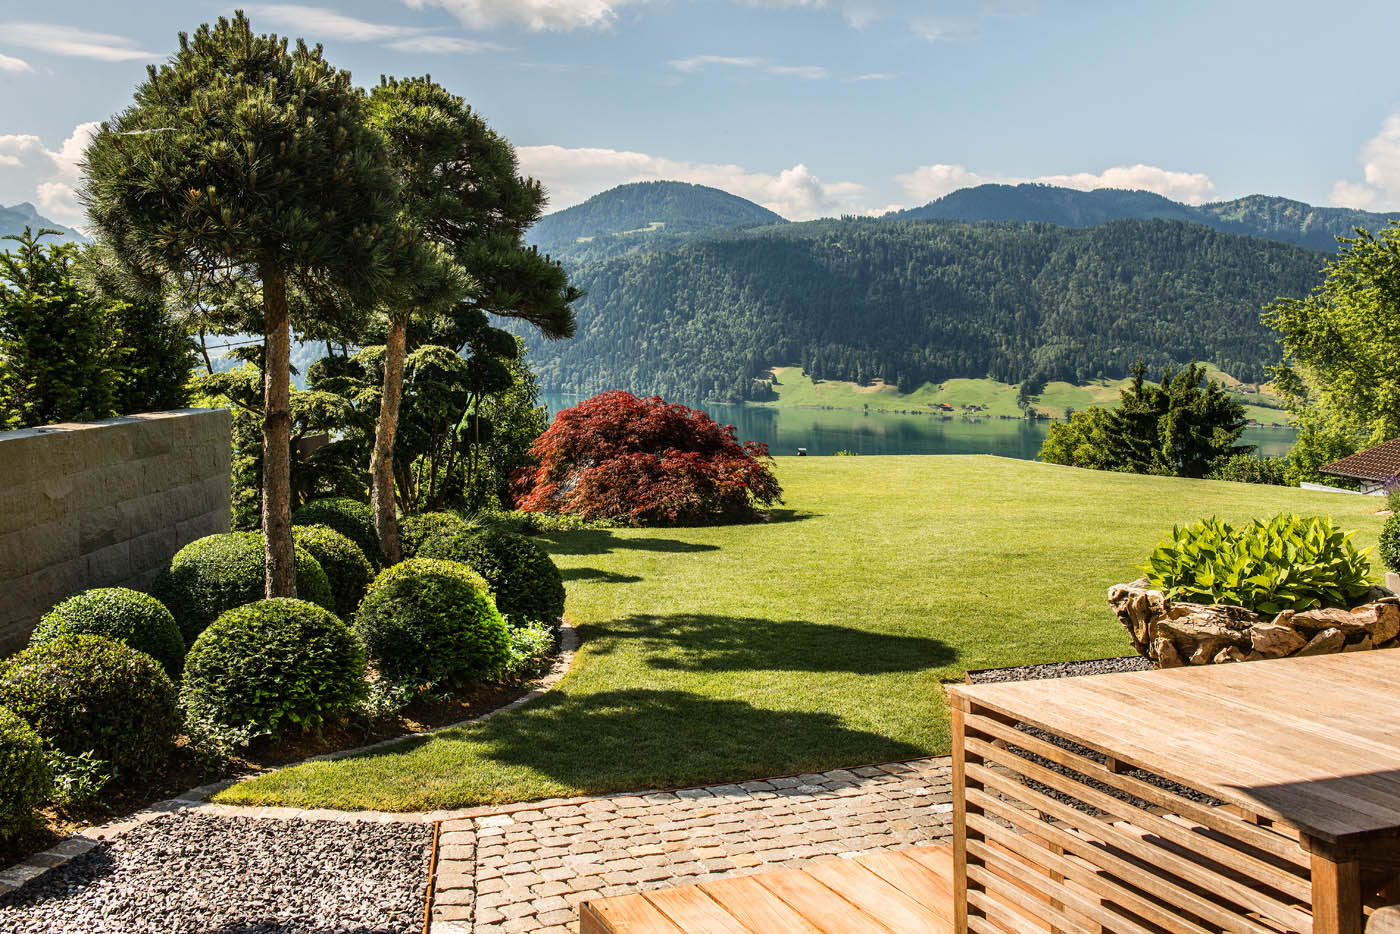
(813, 641)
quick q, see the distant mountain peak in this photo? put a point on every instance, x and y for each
(16, 217)
(1268, 216)
(627, 215)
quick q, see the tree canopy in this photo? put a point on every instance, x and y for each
(243, 161)
(1341, 370)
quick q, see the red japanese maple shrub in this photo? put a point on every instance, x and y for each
(646, 462)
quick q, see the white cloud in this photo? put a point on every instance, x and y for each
(53, 173)
(532, 14)
(572, 175)
(74, 42)
(929, 182)
(10, 63)
(874, 76)
(700, 62)
(1380, 167)
(317, 24)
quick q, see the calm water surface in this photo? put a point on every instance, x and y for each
(826, 431)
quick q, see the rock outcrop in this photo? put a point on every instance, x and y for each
(1174, 634)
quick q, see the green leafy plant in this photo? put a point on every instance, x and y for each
(524, 579)
(349, 517)
(92, 694)
(77, 779)
(219, 572)
(1389, 545)
(25, 779)
(432, 622)
(273, 664)
(531, 646)
(346, 567)
(417, 530)
(136, 619)
(1288, 563)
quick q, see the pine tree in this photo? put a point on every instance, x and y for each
(462, 192)
(240, 161)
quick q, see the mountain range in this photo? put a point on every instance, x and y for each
(694, 293)
(15, 218)
(1254, 215)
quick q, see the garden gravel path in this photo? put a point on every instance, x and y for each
(187, 872)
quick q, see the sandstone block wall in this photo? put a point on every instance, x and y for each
(104, 504)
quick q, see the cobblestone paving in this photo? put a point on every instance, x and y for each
(526, 868)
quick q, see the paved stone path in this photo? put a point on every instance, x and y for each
(525, 868)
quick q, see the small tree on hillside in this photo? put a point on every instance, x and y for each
(647, 462)
(241, 161)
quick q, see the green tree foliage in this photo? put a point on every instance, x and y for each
(74, 347)
(1177, 427)
(1341, 372)
(243, 161)
(336, 468)
(463, 194)
(922, 301)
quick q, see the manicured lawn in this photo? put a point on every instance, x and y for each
(815, 641)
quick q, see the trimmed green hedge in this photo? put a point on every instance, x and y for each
(346, 567)
(526, 583)
(219, 572)
(1389, 546)
(349, 517)
(136, 619)
(271, 664)
(86, 693)
(416, 531)
(432, 622)
(25, 780)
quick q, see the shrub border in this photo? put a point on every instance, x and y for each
(197, 798)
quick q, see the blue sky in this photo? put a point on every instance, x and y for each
(811, 107)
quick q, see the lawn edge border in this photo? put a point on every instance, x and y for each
(196, 799)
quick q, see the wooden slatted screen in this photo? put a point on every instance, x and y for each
(1063, 841)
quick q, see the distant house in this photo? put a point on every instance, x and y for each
(1373, 467)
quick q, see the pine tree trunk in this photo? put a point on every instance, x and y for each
(278, 554)
(381, 463)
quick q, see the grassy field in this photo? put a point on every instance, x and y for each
(994, 399)
(815, 641)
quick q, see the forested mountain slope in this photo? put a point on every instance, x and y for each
(1255, 215)
(647, 215)
(919, 301)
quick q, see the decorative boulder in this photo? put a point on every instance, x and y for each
(1175, 634)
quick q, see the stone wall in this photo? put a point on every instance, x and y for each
(104, 504)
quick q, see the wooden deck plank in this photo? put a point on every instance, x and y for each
(930, 889)
(751, 904)
(630, 913)
(1318, 766)
(694, 912)
(873, 895)
(829, 912)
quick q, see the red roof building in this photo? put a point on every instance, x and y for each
(1374, 467)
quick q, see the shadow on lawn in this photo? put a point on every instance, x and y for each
(603, 541)
(632, 739)
(597, 575)
(705, 642)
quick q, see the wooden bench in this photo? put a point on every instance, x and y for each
(885, 892)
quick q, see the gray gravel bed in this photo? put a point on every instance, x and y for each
(1096, 666)
(234, 875)
(1093, 666)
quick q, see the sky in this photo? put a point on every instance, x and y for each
(810, 107)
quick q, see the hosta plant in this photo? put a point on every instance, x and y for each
(1289, 562)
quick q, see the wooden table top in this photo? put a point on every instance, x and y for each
(1314, 742)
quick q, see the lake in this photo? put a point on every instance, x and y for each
(826, 431)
